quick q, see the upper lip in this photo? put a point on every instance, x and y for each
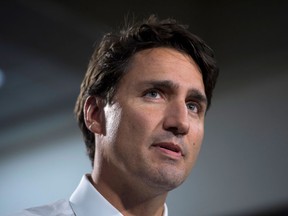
(169, 145)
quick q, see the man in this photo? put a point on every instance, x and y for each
(141, 110)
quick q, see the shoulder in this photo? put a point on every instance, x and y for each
(61, 207)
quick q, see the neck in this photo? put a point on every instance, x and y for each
(128, 197)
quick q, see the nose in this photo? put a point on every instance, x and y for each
(176, 118)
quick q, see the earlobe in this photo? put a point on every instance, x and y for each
(94, 114)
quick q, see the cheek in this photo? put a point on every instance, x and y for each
(137, 121)
(112, 122)
(196, 138)
(197, 133)
(200, 134)
(133, 136)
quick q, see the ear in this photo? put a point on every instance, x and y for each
(94, 116)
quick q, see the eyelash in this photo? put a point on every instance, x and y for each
(149, 93)
(195, 105)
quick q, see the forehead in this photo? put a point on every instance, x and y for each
(161, 55)
(164, 64)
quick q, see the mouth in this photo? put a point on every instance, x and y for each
(169, 149)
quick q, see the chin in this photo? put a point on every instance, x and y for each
(167, 181)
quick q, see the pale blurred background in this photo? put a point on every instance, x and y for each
(44, 50)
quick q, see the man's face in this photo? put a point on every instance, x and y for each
(155, 125)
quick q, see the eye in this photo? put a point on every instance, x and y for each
(152, 94)
(194, 107)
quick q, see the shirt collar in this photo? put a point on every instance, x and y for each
(87, 201)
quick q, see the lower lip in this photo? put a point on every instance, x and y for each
(169, 153)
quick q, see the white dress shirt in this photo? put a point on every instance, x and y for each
(85, 201)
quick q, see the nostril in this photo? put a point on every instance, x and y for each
(174, 130)
(177, 131)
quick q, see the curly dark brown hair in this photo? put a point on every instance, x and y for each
(110, 59)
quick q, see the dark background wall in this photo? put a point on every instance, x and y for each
(44, 50)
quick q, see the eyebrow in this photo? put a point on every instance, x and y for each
(196, 94)
(168, 84)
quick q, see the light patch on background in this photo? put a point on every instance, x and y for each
(42, 175)
(2, 78)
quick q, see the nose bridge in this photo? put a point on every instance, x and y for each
(176, 117)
